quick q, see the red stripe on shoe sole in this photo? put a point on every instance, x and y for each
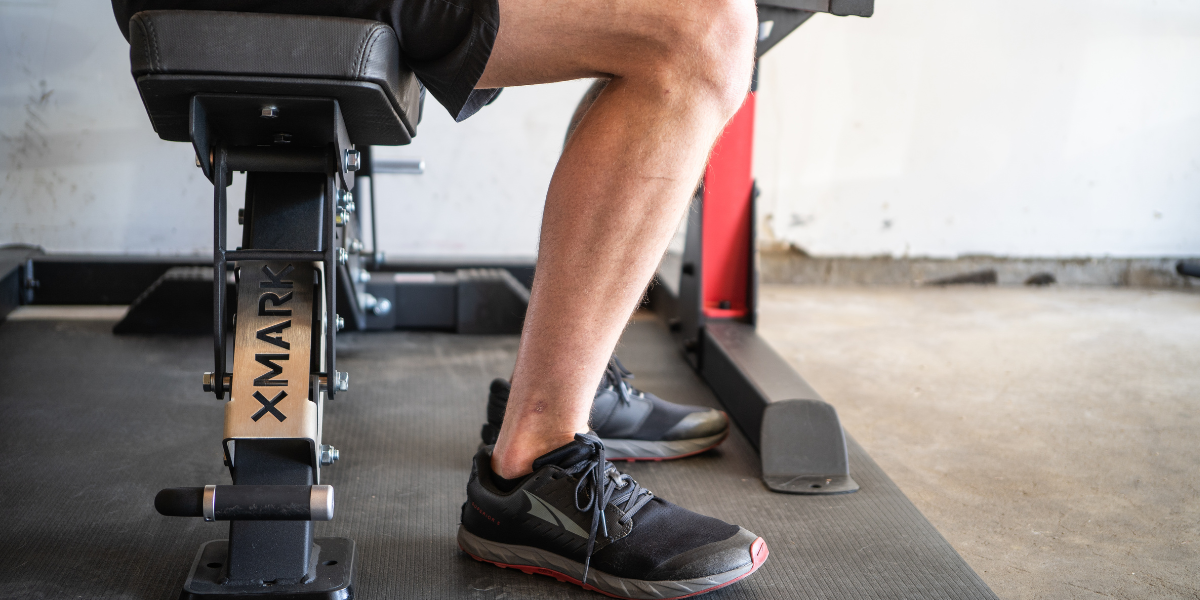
(758, 556)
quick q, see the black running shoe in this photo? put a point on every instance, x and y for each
(633, 424)
(577, 519)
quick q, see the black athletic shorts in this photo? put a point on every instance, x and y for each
(445, 42)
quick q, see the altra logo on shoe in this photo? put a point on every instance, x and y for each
(542, 510)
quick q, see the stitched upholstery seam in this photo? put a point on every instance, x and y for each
(157, 56)
(362, 52)
(152, 55)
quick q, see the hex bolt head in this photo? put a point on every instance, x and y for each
(341, 381)
(270, 112)
(210, 380)
(382, 307)
(353, 160)
(343, 217)
(341, 323)
(342, 256)
(329, 455)
(356, 246)
(364, 277)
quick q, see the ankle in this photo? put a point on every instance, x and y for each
(514, 454)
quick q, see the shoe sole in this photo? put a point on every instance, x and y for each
(641, 450)
(535, 561)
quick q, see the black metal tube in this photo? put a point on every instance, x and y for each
(220, 172)
(330, 282)
(297, 255)
(278, 160)
(374, 228)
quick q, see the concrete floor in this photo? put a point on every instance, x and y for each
(1050, 434)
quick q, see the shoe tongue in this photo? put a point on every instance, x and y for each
(581, 449)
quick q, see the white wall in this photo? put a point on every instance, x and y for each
(485, 178)
(82, 170)
(934, 128)
(942, 127)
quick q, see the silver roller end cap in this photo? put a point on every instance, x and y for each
(320, 502)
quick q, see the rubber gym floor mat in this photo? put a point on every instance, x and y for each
(93, 425)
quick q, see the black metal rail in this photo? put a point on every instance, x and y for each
(300, 162)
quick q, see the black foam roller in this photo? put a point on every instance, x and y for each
(180, 502)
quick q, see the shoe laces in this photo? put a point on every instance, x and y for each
(615, 375)
(603, 484)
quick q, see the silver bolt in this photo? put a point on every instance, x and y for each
(353, 160)
(341, 323)
(209, 379)
(345, 201)
(364, 277)
(241, 216)
(342, 256)
(270, 112)
(367, 301)
(329, 455)
(382, 307)
(343, 217)
(356, 246)
(341, 381)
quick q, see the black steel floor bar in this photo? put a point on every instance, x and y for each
(747, 374)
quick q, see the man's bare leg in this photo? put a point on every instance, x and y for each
(679, 71)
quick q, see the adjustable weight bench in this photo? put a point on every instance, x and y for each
(285, 99)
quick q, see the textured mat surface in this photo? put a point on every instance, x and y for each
(93, 425)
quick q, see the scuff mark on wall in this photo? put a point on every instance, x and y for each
(26, 184)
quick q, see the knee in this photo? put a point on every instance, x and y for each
(715, 51)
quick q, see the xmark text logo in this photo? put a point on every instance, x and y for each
(272, 302)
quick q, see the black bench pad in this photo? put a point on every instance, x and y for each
(175, 54)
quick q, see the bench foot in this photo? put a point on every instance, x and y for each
(331, 576)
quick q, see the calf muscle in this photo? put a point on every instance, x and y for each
(620, 188)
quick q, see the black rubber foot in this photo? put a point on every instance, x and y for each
(334, 576)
